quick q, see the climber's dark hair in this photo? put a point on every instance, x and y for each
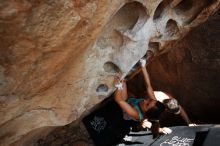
(172, 105)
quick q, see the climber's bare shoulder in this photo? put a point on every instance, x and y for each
(161, 96)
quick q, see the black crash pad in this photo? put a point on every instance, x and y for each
(106, 125)
(181, 136)
(213, 137)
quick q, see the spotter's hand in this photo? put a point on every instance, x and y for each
(146, 124)
(165, 130)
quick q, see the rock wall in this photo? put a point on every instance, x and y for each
(58, 58)
(191, 70)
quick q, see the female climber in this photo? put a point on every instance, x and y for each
(147, 109)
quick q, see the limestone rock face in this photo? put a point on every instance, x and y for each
(58, 58)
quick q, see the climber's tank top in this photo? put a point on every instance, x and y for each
(135, 103)
(152, 113)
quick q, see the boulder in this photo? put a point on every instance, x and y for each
(58, 58)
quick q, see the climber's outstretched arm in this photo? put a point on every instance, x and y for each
(149, 88)
(184, 115)
(120, 97)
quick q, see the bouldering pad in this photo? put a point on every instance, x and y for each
(106, 125)
(181, 136)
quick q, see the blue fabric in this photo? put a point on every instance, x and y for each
(135, 102)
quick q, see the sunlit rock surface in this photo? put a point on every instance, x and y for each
(58, 58)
